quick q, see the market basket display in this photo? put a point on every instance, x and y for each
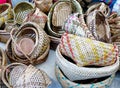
(17, 75)
(29, 44)
(75, 72)
(21, 10)
(103, 82)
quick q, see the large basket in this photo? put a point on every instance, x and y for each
(37, 44)
(75, 72)
(17, 75)
(104, 82)
(99, 26)
(75, 7)
(21, 10)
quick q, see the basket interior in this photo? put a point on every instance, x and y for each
(3, 8)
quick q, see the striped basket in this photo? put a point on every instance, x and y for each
(75, 72)
(100, 6)
(99, 26)
(104, 82)
(75, 24)
(29, 44)
(5, 13)
(56, 18)
(21, 10)
(3, 60)
(17, 75)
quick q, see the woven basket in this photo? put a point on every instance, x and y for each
(17, 75)
(60, 17)
(104, 82)
(38, 17)
(5, 13)
(98, 25)
(75, 72)
(21, 10)
(3, 60)
(100, 7)
(30, 44)
(75, 24)
(43, 5)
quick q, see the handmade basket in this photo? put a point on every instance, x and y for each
(5, 13)
(3, 60)
(56, 15)
(17, 75)
(43, 5)
(38, 17)
(99, 26)
(75, 24)
(21, 10)
(30, 44)
(104, 82)
(75, 72)
(101, 6)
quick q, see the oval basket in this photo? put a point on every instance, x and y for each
(21, 10)
(75, 8)
(74, 72)
(104, 82)
(17, 75)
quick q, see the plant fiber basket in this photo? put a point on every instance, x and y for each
(29, 44)
(75, 72)
(17, 75)
(104, 82)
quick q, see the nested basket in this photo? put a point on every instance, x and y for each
(99, 26)
(5, 13)
(3, 60)
(75, 72)
(103, 82)
(100, 6)
(21, 10)
(59, 12)
(17, 75)
(29, 44)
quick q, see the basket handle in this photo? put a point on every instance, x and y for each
(12, 37)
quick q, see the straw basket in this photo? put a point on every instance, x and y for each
(3, 60)
(99, 26)
(75, 72)
(38, 17)
(100, 7)
(59, 13)
(5, 13)
(103, 82)
(43, 5)
(75, 24)
(30, 44)
(17, 75)
(21, 10)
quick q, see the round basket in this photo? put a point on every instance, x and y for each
(59, 10)
(3, 60)
(5, 13)
(75, 72)
(30, 44)
(104, 82)
(99, 26)
(101, 6)
(17, 75)
(21, 10)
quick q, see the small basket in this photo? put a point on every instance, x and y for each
(57, 6)
(103, 82)
(37, 42)
(21, 10)
(17, 75)
(101, 6)
(99, 26)
(75, 72)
